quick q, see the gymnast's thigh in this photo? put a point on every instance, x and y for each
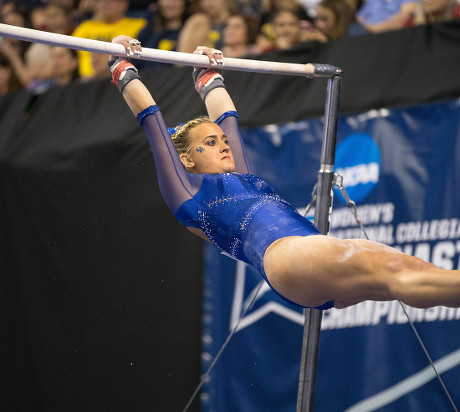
(310, 270)
(294, 266)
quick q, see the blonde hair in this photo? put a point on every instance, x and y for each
(181, 137)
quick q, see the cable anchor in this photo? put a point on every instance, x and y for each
(351, 205)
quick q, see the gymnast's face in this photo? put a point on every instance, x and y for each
(210, 152)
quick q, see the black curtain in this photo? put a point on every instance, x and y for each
(100, 287)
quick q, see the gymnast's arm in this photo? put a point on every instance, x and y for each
(220, 107)
(137, 96)
(175, 183)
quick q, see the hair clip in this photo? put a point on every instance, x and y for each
(172, 130)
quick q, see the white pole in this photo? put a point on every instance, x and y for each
(164, 56)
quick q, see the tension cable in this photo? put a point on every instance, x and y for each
(248, 304)
(351, 206)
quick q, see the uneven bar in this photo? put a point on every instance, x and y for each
(311, 70)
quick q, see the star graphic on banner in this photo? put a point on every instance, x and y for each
(252, 316)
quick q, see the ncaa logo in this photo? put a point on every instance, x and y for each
(358, 160)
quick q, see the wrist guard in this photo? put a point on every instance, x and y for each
(207, 80)
(122, 72)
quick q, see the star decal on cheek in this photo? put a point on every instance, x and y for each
(200, 149)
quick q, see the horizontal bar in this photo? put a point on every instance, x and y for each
(310, 70)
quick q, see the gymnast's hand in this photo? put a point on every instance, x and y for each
(123, 71)
(208, 79)
(132, 46)
(215, 56)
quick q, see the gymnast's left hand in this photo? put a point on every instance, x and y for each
(132, 46)
(215, 56)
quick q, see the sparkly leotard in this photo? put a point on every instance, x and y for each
(238, 212)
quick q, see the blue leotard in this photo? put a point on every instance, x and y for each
(238, 212)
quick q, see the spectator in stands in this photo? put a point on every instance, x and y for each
(239, 35)
(34, 72)
(385, 15)
(15, 16)
(7, 7)
(84, 10)
(266, 39)
(58, 18)
(35, 69)
(434, 11)
(99, 63)
(37, 18)
(8, 79)
(65, 65)
(334, 19)
(163, 29)
(28, 66)
(108, 21)
(250, 7)
(286, 29)
(205, 26)
(270, 7)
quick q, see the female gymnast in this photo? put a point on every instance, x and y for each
(205, 179)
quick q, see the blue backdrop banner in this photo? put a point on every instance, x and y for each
(402, 168)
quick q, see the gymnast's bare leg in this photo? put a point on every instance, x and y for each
(315, 269)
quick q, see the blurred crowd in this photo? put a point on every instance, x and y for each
(240, 28)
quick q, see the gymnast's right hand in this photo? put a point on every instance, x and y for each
(132, 46)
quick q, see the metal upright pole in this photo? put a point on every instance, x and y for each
(312, 325)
